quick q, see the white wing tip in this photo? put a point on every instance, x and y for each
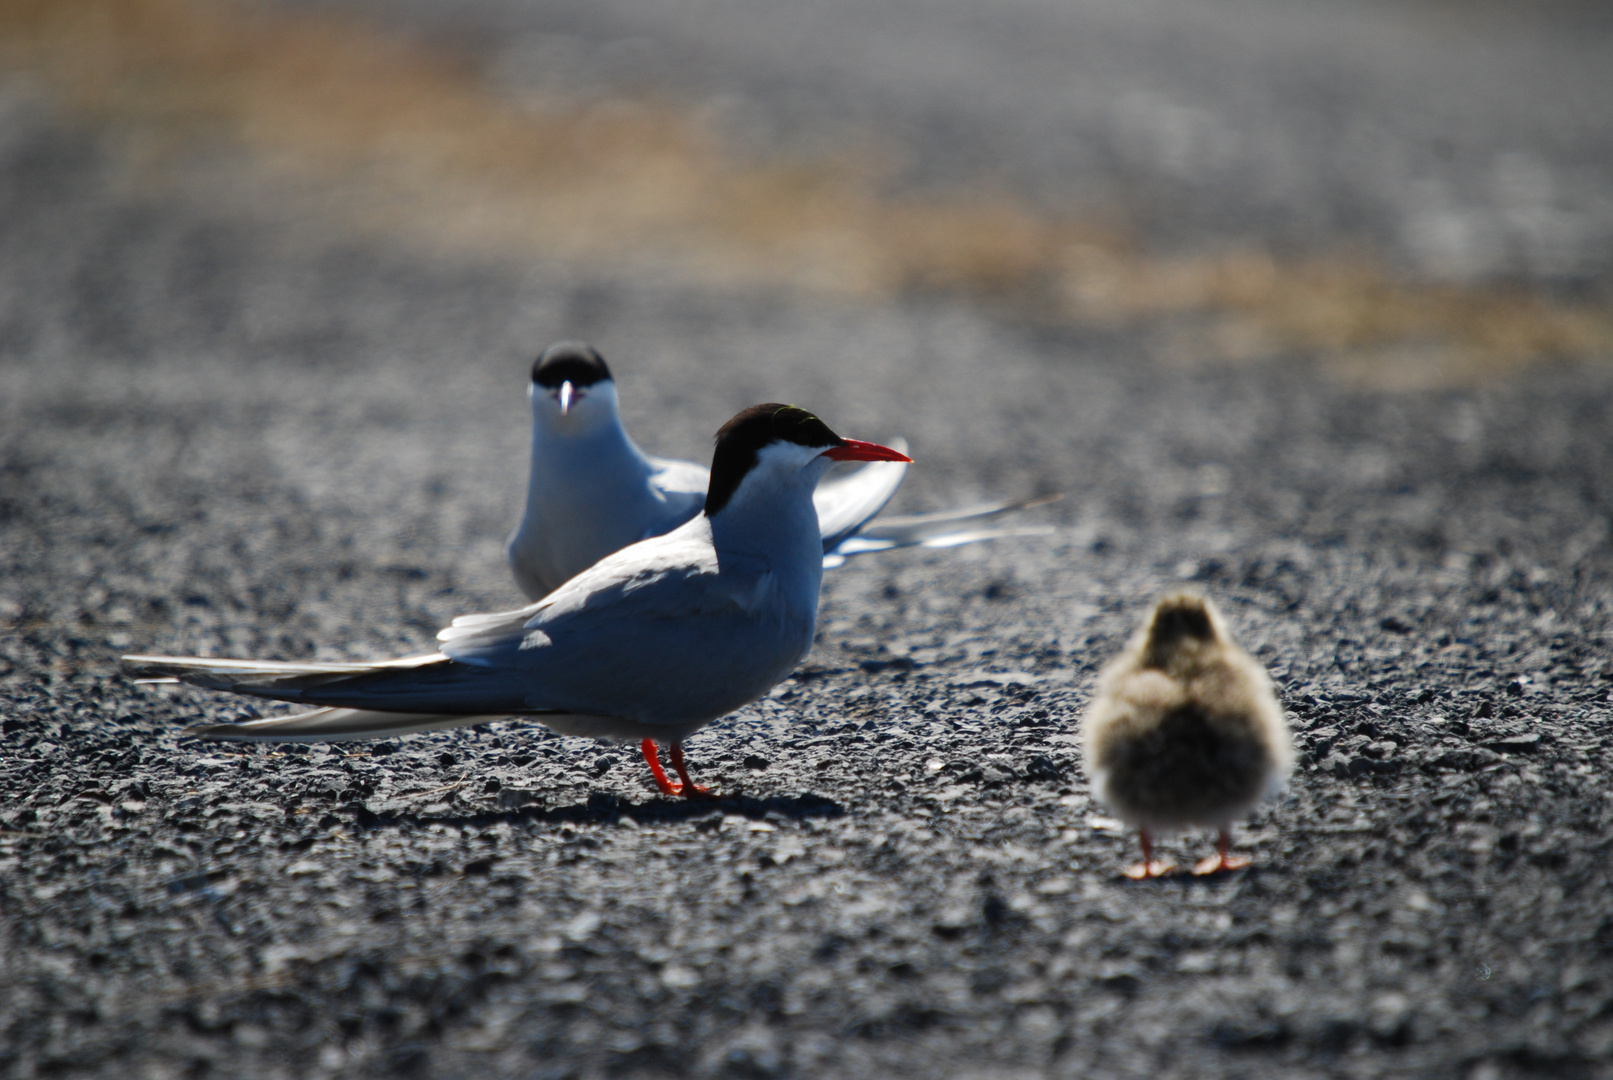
(978, 535)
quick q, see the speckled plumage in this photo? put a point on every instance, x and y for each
(1184, 729)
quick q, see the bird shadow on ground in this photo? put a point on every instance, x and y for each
(1183, 880)
(604, 808)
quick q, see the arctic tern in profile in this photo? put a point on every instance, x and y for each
(592, 491)
(651, 643)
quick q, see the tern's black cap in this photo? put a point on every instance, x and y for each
(575, 362)
(743, 437)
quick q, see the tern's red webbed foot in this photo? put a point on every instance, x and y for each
(688, 789)
(652, 757)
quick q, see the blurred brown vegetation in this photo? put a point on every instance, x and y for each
(423, 151)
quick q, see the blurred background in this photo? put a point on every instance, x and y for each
(1413, 193)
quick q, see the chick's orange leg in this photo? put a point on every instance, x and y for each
(690, 789)
(1222, 860)
(1150, 866)
(652, 757)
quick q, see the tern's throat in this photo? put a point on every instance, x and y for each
(580, 457)
(589, 493)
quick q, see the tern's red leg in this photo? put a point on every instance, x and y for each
(1150, 866)
(690, 789)
(653, 757)
(1221, 860)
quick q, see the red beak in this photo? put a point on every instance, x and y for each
(856, 450)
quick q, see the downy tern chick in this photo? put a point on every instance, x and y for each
(1184, 731)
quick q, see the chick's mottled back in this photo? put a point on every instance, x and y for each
(1184, 729)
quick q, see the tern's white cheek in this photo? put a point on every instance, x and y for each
(782, 460)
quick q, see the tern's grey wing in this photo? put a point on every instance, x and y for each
(334, 725)
(686, 551)
(676, 670)
(237, 675)
(662, 632)
(361, 701)
(943, 529)
(682, 484)
(845, 504)
(416, 685)
(919, 528)
(670, 647)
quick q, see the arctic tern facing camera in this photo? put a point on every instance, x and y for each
(651, 643)
(592, 491)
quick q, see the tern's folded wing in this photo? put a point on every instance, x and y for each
(681, 478)
(678, 578)
(432, 683)
(942, 529)
(641, 580)
(664, 631)
(680, 649)
(918, 528)
(670, 636)
(334, 725)
(681, 486)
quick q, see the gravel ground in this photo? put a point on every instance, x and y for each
(215, 440)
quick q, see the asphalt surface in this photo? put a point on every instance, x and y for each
(216, 439)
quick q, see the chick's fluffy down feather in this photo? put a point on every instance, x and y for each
(1184, 730)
